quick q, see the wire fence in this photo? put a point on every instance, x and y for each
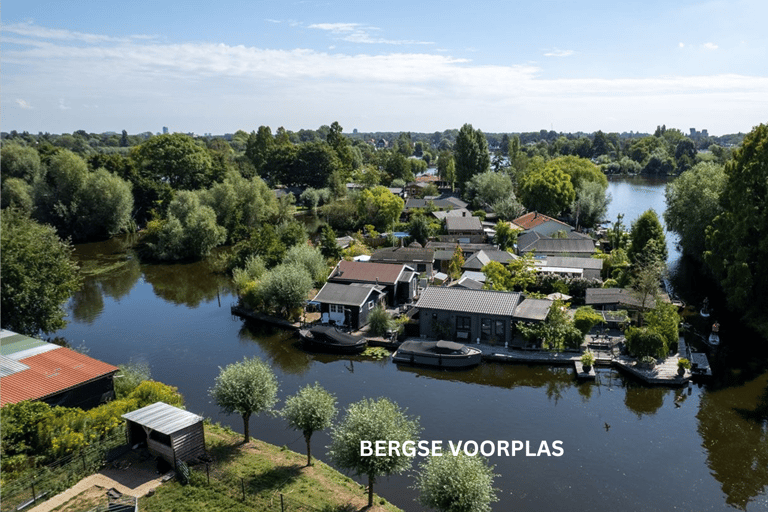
(39, 484)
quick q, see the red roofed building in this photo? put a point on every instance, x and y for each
(32, 369)
(542, 224)
(399, 281)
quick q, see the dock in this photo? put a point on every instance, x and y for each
(584, 375)
(259, 317)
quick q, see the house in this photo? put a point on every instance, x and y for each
(483, 257)
(32, 369)
(533, 310)
(574, 247)
(418, 258)
(171, 433)
(467, 315)
(465, 225)
(588, 268)
(349, 304)
(458, 212)
(400, 282)
(444, 251)
(619, 298)
(468, 282)
(542, 224)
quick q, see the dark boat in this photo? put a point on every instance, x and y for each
(441, 354)
(327, 338)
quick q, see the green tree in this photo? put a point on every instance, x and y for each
(736, 239)
(644, 228)
(508, 208)
(22, 162)
(329, 247)
(310, 258)
(17, 193)
(419, 228)
(380, 321)
(446, 167)
(379, 207)
(645, 342)
(371, 421)
(471, 154)
(311, 409)
(457, 261)
(456, 483)
(488, 188)
(247, 387)
(693, 201)
(505, 236)
(590, 205)
(585, 318)
(664, 319)
(39, 275)
(284, 289)
(547, 190)
(176, 158)
(649, 269)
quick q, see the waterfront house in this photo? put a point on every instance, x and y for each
(558, 247)
(418, 258)
(467, 315)
(171, 433)
(613, 299)
(542, 224)
(400, 282)
(32, 369)
(349, 304)
(588, 268)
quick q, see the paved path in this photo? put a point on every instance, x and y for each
(132, 482)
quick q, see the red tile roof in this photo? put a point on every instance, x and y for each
(50, 373)
(533, 219)
(366, 272)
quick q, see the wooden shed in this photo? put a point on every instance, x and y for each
(171, 433)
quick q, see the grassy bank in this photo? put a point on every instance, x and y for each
(265, 472)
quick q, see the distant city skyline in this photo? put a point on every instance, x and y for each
(395, 66)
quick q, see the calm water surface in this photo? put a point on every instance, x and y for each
(686, 449)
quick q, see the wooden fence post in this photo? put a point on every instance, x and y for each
(208, 472)
(282, 505)
(34, 494)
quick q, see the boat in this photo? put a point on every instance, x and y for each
(441, 354)
(328, 338)
(714, 337)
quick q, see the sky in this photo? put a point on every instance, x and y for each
(502, 66)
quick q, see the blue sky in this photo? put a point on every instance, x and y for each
(384, 66)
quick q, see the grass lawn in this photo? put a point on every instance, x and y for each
(265, 471)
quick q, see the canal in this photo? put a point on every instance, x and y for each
(626, 446)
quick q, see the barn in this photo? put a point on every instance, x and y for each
(171, 433)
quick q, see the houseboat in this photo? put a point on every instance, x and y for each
(440, 354)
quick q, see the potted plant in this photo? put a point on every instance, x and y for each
(682, 365)
(587, 360)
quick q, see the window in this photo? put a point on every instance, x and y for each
(336, 308)
(485, 328)
(500, 330)
(370, 304)
(463, 323)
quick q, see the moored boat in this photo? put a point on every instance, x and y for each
(329, 339)
(440, 354)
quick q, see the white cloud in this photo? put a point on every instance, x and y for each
(28, 29)
(63, 105)
(710, 46)
(681, 45)
(559, 53)
(358, 33)
(23, 104)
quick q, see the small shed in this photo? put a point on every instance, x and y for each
(171, 433)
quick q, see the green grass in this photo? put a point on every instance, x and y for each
(266, 471)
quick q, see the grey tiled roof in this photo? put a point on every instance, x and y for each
(463, 300)
(561, 245)
(346, 295)
(463, 224)
(533, 309)
(562, 261)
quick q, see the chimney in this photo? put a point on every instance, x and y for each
(463, 214)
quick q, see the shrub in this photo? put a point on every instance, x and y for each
(380, 321)
(585, 318)
(643, 342)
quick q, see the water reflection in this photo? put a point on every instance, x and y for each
(734, 433)
(187, 284)
(644, 401)
(279, 347)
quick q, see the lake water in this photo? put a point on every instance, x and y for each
(626, 446)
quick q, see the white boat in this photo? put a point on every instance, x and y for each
(440, 354)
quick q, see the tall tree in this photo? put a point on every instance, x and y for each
(644, 228)
(457, 261)
(258, 148)
(39, 275)
(547, 190)
(247, 387)
(456, 483)
(176, 158)
(736, 240)
(372, 421)
(470, 154)
(311, 409)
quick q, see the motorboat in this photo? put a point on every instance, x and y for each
(328, 338)
(440, 354)
(714, 336)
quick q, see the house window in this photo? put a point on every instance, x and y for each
(370, 304)
(485, 328)
(336, 308)
(463, 323)
(500, 329)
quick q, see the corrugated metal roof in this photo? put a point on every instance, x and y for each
(50, 373)
(8, 366)
(463, 300)
(12, 343)
(163, 418)
(533, 309)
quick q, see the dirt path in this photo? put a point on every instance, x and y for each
(134, 481)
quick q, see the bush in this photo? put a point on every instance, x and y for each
(129, 377)
(585, 318)
(642, 342)
(380, 321)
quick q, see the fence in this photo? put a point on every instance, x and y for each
(38, 484)
(259, 492)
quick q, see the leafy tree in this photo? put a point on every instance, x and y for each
(22, 162)
(379, 207)
(446, 167)
(380, 321)
(580, 170)
(419, 228)
(665, 320)
(505, 236)
(644, 342)
(585, 318)
(736, 239)
(284, 289)
(329, 247)
(247, 387)
(518, 274)
(644, 228)
(310, 258)
(508, 208)
(17, 193)
(487, 188)
(457, 261)
(189, 232)
(39, 275)
(311, 409)
(471, 154)
(548, 190)
(372, 420)
(617, 235)
(129, 377)
(457, 483)
(648, 271)
(176, 158)
(693, 201)
(590, 205)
